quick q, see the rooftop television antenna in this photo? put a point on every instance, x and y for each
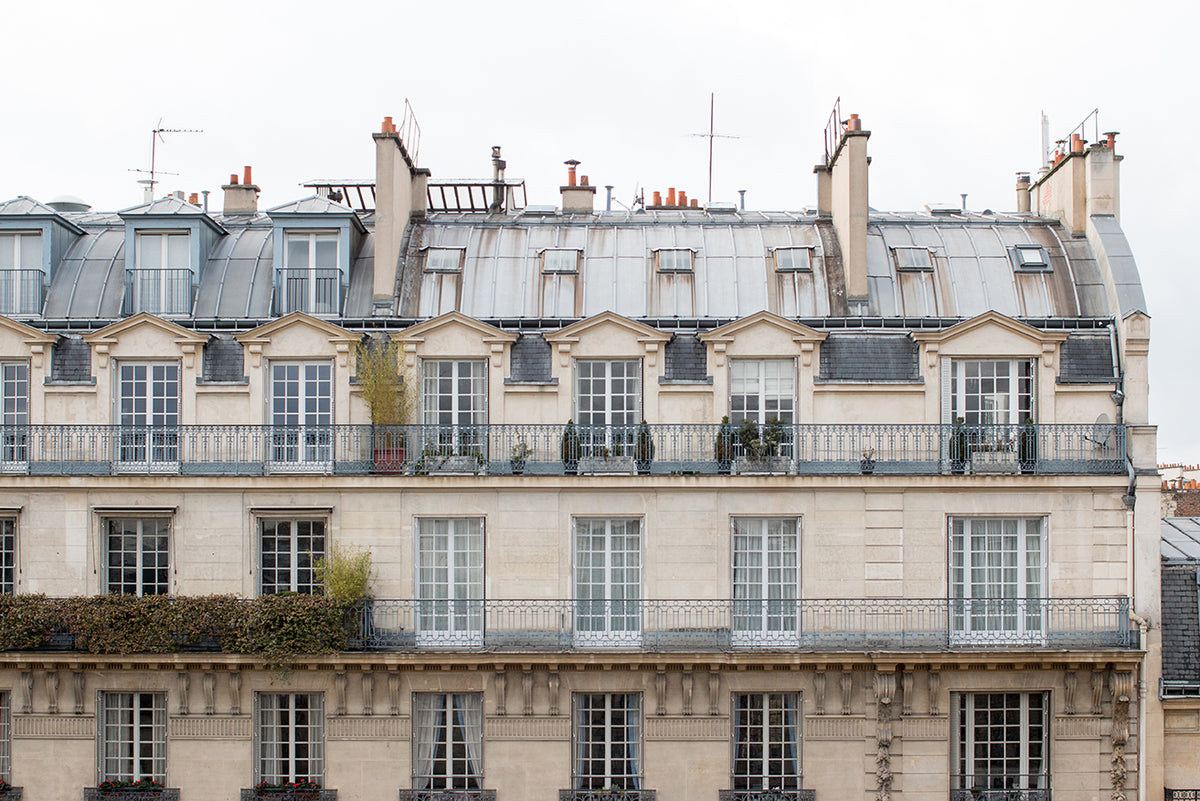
(710, 136)
(156, 135)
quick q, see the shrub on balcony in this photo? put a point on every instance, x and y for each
(283, 627)
(26, 621)
(345, 572)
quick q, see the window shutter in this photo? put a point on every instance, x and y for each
(1033, 390)
(947, 388)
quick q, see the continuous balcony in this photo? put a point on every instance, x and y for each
(742, 625)
(803, 449)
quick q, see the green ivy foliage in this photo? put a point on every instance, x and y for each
(27, 620)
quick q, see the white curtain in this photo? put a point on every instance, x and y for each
(469, 710)
(429, 717)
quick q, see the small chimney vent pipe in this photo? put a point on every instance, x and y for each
(741, 200)
(608, 188)
(571, 165)
(964, 201)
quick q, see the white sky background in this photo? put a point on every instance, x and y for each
(951, 92)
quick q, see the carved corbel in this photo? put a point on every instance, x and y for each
(660, 692)
(714, 687)
(339, 693)
(552, 689)
(687, 692)
(235, 692)
(393, 680)
(52, 692)
(527, 690)
(501, 692)
(847, 690)
(819, 691)
(1072, 679)
(210, 689)
(185, 685)
(368, 693)
(77, 683)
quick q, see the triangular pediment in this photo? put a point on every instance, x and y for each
(991, 319)
(798, 332)
(642, 331)
(455, 319)
(112, 333)
(335, 333)
(26, 333)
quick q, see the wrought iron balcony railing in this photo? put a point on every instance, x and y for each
(766, 795)
(536, 449)
(742, 625)
(607, 795)
(159, 291)
(22, 292)
(447, 795)
(1000, 788)
(131, 794)
(287, 794)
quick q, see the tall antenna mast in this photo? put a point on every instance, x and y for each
(711, 135)
(155, 136)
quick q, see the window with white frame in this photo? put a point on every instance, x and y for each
(1001, 741)
(766, 741)
(910, 259)
(448, 741)
(162, 279)
(443, 260)
(608, 741)
(14, 413)
(766, 579)
(998, 578)
(675, 260)
(21, 276)
(560, 260)
(8, 555)
(608, 580)
(311, 278)
(608, 405)
(5, 736)
(133, 736)
(291, 737)
(137, 555)
(991, 392)
(791, 260)
(288, 549)
(761, 390)
(301, 413)
(454, 405)
(148, 412)
(450, 580)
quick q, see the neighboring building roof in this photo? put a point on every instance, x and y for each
(1180, 597)
(1181, 539)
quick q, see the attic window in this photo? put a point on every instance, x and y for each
(675, 260)
(791, 260)
(560, 260)
(919, 259)
(1030, 257)
(443, 260)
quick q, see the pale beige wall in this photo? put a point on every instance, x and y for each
(1181, 746)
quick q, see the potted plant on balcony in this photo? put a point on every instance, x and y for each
(520, 455)
(643, 449)
(866, 465)
(760, 447)
(570, 449)
(959, 448)
(8, 792)
(723, 448)
(301, 790)
(1027, 446)
(115, 789)
(389, 401)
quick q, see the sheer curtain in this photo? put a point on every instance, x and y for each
(118, 736)
(429, 717)
(469, 711)
(633, 738)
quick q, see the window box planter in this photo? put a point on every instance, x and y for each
(287, 794)
(130, 794)
(608, 466)
(10, 793)
(453, 466)
(770, 466)
(995, 462)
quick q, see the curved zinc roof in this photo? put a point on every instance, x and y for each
(971, 270)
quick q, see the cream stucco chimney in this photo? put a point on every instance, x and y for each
(848, 205)
(1082, 182)
(396, 190)
(1022, 193)
(577, 196)
(240, 198)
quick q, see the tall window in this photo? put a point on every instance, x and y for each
(133, 736)
(608, 581)
(148, 407)
(1002, 741)
(991, 392)
(761, 390)
(454, 399)
(5, 736)
(291, 737)
(137, 555)
(448, 741)
(301, 415)
(450, 580)
(21, 276)
(608, 741)
(8, 556)
(997, 578)
(161, 281)
(766, 580)
(14, 414)
(766, 741)
(310, 280)
(608, 404)
(288, 550)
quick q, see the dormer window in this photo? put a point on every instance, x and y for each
(162, 278)
(675, 260)
(443, 260)
(21, 277)
(310, 280)
(793, 260)
(1030, 257)
(560, 260)
(913, 259)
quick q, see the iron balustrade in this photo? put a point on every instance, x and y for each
(607, 795)
(131, 794)
(287, 794)
(545, 449)
(315, 291)
(22, 291)
(766, 795)
(447, 795)
(159, 291)
(1010, 787)
(742, 625)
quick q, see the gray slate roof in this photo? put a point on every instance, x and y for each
(1087, 358)
(1181, 598)
(869, 357)
(686, 358)
(223, 360)
(530, 359)
(71, 361)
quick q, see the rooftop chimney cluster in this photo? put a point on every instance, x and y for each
(241, 198)
(577, 196)
(674, 201)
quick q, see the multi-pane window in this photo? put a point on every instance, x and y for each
(137, 555)
(919, 259)
(608, 405)
(291, 737)
(454, 400)
(997, 577)
(8, 556)
(443, 260)
(288, 551)
(310, 279)
(608, 580)
(560, 260)
(21, 276)
(793, 259)
(608, 741)
(5, 736)
(148, 411)
(766, 579)
(133, 736)
(301, 415)
(766, 741)
(1001, 741)
(448, 741)
(675, 260)
(761, 390)
(991, 392)
(14, 413)
(450, 579)
(161, 281)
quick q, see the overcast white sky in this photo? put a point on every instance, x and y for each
(951, 91)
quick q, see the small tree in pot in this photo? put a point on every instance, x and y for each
(643, 449)
(723, 450)
(570, 448)
(389, 401)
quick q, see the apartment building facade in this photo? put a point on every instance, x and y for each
(694, 503)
